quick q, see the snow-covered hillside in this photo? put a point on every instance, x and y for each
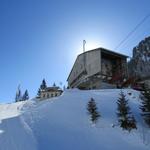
(63, 123)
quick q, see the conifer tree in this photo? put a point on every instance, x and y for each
(125, 118)
(43, 85)
(38, 93)
(92, 110)
(18, 95)
(54, 84)
(25, 95)
(145, 104)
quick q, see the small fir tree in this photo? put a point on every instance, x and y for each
(38, 93)
(18, 95)
(92, 110)
(25, 95)
(125, 118)
(54, 85)
(145, 104)
(43, 85)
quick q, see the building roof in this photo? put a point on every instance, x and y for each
(52, 89)
(106, 51)
(102, 50)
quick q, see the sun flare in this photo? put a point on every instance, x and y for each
(88, 45)
(91, 45)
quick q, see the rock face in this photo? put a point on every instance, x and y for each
(139, 65)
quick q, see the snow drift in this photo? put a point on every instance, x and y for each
(63, 123)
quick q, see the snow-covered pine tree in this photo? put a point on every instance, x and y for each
(18, 95)
(54, 84)
(145, 104)
(25, 95)
(43, 85)
(125, 118)
(38, 93)
(92, 110)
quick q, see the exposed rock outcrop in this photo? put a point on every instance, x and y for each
(139, 66)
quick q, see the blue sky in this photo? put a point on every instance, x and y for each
(41, 38)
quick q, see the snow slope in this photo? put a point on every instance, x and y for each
(63, 123)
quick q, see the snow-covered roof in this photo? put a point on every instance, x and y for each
(50, 89)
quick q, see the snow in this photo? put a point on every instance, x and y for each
(62, 123)
(10, 110)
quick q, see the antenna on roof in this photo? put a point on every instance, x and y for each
(84, 42)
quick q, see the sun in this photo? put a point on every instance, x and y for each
(91, 45)
(88, 45)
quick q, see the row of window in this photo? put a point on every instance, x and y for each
(50, 95)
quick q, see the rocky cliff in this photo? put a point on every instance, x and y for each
(139, 65)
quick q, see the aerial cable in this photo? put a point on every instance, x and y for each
(130, 33)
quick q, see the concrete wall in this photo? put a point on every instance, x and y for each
(91, 61)
(78, 68)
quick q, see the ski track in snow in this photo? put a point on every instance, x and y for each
(62, 123)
